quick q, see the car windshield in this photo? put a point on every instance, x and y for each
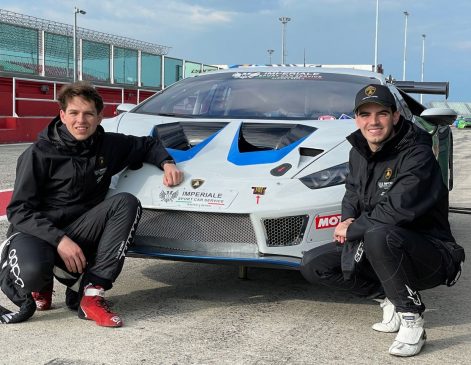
(261, 95)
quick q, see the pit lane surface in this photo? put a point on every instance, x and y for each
(184, 313)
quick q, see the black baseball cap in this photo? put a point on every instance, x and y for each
(375, 93)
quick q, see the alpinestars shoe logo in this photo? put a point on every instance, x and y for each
(414, 296)
(116, 319)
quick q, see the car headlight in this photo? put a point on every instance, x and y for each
(334, 175)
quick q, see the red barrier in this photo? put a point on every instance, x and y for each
(16, 130)
(35, 106)
(5, 197)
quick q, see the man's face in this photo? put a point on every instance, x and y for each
(81, 118)
(376, 123)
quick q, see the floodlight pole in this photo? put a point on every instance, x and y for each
(74, 36)
(284, 20)
(270, 52)
(423, 63)
(376, 36)
(405, 47)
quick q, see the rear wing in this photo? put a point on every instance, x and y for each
(419, 87)
(422, 87)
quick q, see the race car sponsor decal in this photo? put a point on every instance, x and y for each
(280, 170)
(326, 117)
(215, 199)
(259, 190)
(168, 196)
(278, 75)
(327, 221)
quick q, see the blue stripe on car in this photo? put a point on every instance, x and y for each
(258, 157)
(180, 156)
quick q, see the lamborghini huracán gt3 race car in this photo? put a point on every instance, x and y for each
(264, 154)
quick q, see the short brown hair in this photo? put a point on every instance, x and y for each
(83, 89)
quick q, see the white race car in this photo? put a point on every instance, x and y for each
(264, 154)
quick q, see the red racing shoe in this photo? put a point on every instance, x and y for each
(43, 298)
(93, 306)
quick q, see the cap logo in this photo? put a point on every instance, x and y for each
(370, 90)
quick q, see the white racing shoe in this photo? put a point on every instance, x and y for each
(391, 320)
(411, 336)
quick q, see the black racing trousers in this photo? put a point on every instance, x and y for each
(104, 234)
(399, 260)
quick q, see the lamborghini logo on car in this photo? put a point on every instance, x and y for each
(196, 183)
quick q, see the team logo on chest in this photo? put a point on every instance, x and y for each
(101, 161)
(385, 184)
(100, 169)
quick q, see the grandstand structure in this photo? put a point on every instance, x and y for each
(37, 58)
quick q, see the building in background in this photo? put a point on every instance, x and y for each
(37, 58)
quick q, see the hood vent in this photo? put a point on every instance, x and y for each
(185, 135)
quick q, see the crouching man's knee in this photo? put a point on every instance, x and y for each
(378, 239)
(127, 201)
(30, 276)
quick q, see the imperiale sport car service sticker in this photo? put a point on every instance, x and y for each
(214, 199)
(279, 75)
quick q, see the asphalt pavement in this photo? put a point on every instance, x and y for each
(188, 313)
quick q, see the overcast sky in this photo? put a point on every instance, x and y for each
(322, 31)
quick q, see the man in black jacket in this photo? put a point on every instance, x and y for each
(395, 210)
(61, 223)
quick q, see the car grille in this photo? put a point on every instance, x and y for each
(185, 226)
(285, 231)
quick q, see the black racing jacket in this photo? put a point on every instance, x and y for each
(400, 184)
(59, 178)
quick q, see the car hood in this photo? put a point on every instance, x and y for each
(243, 148)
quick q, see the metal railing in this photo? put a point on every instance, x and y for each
(56, 85)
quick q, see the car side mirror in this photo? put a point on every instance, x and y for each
(439, 116)
(124, 108)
